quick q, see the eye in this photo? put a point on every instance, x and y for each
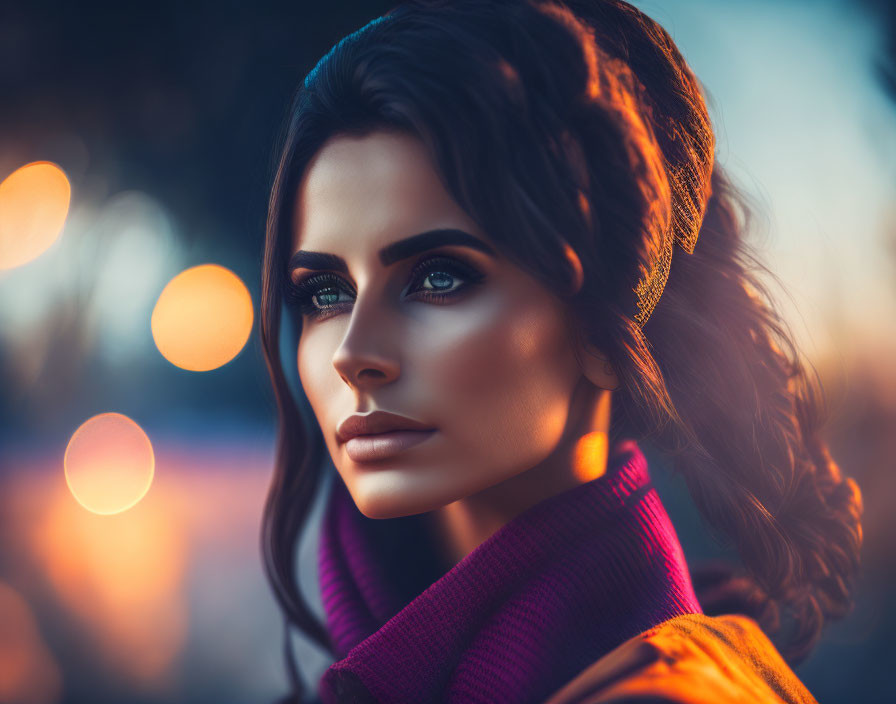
(440, 278)
(316, 295)
(435, 279)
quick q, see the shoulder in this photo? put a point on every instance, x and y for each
(690, 659)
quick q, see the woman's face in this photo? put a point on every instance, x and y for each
(448, 334)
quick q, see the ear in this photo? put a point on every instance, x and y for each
(575, 265)
(596, 367)
(595, 364)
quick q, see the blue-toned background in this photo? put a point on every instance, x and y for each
(164, 118)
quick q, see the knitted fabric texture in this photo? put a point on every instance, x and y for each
(547, 594)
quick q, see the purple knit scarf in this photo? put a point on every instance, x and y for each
(546, 595)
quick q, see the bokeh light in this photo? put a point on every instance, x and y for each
(133, 251)
(28, 671)
(122, 578)
(109, 463)
(203, 318)
(34, 202)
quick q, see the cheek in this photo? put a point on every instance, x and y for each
(313, 362)
(506, 371)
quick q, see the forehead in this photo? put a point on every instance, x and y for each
(376, 188)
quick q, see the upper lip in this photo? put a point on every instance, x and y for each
(376, 422)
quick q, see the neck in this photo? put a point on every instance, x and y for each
(580, 456)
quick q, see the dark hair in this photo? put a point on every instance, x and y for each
(579, 125)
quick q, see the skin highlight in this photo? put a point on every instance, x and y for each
(494, 367)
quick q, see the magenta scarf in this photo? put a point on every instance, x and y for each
(546, 595)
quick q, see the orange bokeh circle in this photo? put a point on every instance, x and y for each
(203, 318)
(109, 463)
(34, 202)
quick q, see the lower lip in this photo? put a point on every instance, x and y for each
(370, 448)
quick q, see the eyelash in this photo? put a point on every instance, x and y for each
(300, 294)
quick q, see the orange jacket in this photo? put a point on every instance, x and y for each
(690, 659)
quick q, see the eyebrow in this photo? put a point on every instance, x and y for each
(394, 252)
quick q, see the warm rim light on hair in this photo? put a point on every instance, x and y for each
(34, 202)
(203, 318)
(109, 463)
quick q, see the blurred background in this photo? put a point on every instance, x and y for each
(145, 136)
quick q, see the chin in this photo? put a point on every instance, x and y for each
(383, 510)
(378, 495)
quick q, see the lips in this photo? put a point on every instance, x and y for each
(372, 448)
(376, 423)
(380, 435)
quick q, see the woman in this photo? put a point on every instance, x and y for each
(489, 220)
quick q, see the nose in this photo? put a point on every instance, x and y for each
(367, 357)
